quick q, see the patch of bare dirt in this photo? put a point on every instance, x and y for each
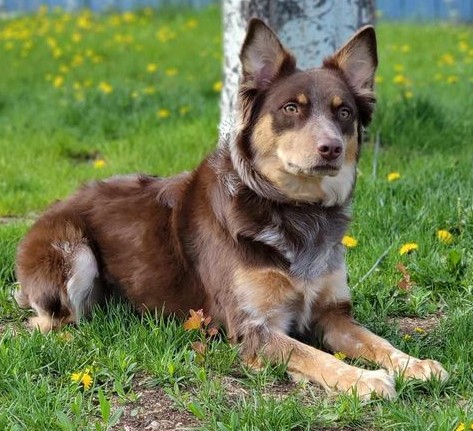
(412, 325)
(154, 411)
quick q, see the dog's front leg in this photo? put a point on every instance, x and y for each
(307, 363)
(341, 333)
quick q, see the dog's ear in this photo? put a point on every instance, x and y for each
(263, 57)
(357, 59)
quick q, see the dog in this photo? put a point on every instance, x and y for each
(252, 236)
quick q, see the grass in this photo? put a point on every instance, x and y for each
(79, 101)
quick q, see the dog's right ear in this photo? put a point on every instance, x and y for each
(263, 57)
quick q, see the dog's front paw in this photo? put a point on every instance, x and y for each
(424, 369)
(365, 383)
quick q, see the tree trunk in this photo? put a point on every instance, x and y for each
(311, 29)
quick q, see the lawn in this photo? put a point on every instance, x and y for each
(84, 97)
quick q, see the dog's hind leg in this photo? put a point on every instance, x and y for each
(58, 275)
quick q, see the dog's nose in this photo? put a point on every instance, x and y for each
(330, 149)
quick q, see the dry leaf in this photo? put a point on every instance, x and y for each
(199, 347)
(406, 282)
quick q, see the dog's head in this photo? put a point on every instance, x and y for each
(300, 131)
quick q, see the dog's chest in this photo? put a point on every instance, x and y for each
(310, 242)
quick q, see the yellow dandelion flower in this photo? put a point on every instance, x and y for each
(447, 59)
(58, 81)
(378, 79)
(191, 23)
(452, 79)
(105, 87)
(84, 378)
(405, 48)
(419, 330)
(340, 356)
(408, 248)
(63, 69)
(76, 37)
(129, 17)
(217, 87)
(151, 68)
(171, 71)
(460, 427)
(349, 241)
(135, 94)
(393, 176)
(163, 113)
(463, 46)
(165, 34)
(183, 110)
(400, 79)
(406, 337)
(408, 94)
(445, 236)
(57, 52)
(149, 90)
(99, 163)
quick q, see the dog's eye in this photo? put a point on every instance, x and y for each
(290, 108)
(344, 113)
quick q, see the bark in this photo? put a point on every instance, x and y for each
(311, 29)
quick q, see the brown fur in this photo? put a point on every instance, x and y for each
(252, 236)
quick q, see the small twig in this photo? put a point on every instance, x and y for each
(375, 265)
(375, 156)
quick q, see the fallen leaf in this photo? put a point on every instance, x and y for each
(194, 321)
(406, 282)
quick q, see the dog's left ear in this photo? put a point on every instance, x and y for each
(263, 57)
(357, 59)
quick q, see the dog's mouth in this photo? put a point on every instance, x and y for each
(319, 170)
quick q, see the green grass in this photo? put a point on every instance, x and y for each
(51, 137)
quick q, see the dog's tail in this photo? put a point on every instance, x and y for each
(58, 279)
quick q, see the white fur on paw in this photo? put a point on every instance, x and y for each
(366, 382)
(424, 369)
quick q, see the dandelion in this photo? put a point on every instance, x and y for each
(149, 90)
(76, 37)
(217, 87)
(63, 69)
(58, 81)
(378, 79)
(340, 356)
(419, 330)
(452, 79)
(165, 34)
(84, 378)
(393, 176)
(405, 48)
(447, 59)
(99, 163)
(191, 23)
(408, 248)
(105, 87)
(463, 46)
(408, 94)
(400, 79)
(172, 71)
(460, 427)
(129, 17)
(406, 337)
(349, 241)
(163, 113)
(445, 236)
(183, 110)
(151, 68)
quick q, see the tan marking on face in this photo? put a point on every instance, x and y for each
(302, 99)
(337, 102)
(351, 152)
(263, 135)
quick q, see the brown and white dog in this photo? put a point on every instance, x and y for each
(252, 236)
